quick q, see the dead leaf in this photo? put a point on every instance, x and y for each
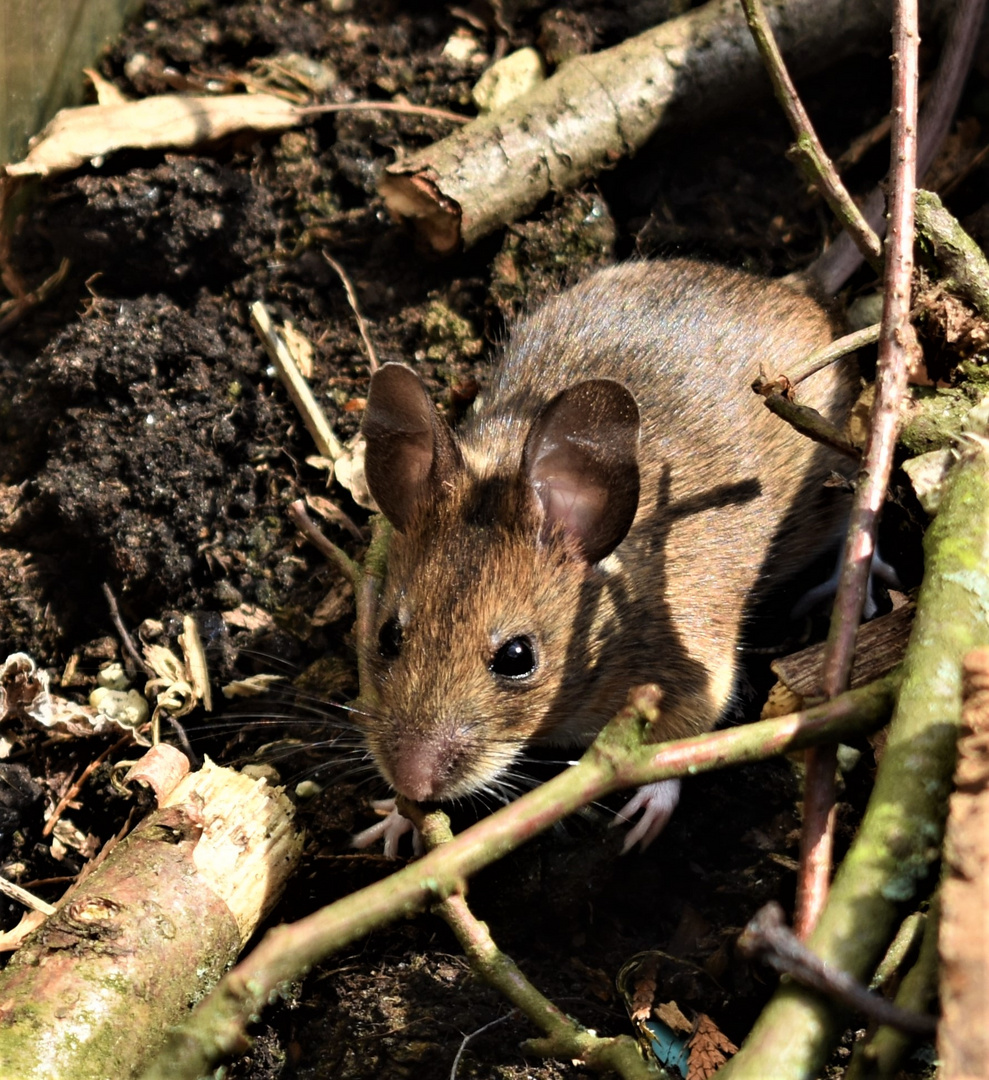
(170, 121)
(301, 348)
(248, 617)
(669, 1012)
(106, 92)
(350, 474)
(709, 1049)
(251, 686)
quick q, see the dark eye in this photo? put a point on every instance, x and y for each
(390, 639)
(516, 659)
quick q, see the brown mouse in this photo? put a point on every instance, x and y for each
(603, 518)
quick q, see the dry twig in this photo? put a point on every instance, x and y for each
(897, 352)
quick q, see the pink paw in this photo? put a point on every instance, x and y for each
(657, 803)
(391, 828)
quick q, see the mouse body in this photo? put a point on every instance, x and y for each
(604, 517)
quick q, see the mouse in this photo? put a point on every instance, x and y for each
(605, 516)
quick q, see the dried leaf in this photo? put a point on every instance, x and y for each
(350, 474)
(300, 347)
(24, 692)
(709, 1049)
(669, 1012)
(195, 661)
(170, 121)
(252, 686)
(248, 617)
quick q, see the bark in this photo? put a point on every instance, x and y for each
(963, 1037)
(93, 992)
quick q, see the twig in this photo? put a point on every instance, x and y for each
(471, 1036)
(617, 759)
(769, 939)
(808, 151)
(835, 350)
(811, 423)
(372, 356)
(882, 1054)
(305, 524)
(404, 107)
(564, 1037)
(12, 311)
(130, 647)
(298, 389)
(22, 896)
(897, 351)
(75, 788)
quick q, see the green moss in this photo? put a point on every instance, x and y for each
(936, 414)
(449, 336)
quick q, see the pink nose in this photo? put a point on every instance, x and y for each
(418, 770)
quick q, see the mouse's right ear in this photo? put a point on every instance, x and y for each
(410, 450)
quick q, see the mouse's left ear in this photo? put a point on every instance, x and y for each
(581, 462)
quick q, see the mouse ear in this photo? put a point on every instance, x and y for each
(410, 450)
(581, 461)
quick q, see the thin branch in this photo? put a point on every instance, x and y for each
(618, 758)
(372, 355)
(835, 350)
(564, 1037)
(130, 646)
(305, 524)
(22, 896)
(297, 387)
(833, 268)
(897, 352)
(810, 422)
(404, 107)
(808, 151)
(769, 939)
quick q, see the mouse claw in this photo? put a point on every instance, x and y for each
(391, 828)
(657, 803)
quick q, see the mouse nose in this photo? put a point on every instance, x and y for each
(418, 770)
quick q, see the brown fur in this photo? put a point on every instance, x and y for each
(731, 499)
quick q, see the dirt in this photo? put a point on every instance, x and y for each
(146, 444)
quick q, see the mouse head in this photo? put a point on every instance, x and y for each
(494, 609)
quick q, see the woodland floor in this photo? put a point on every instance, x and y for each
(146, 444)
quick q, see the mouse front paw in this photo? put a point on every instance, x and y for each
(657, 803)
(390, 829)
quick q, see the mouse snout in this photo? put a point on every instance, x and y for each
(425, 769)
(418, 771)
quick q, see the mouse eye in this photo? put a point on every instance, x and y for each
(516, 659)
(390, 639)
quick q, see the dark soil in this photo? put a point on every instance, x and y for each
(145, 443)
